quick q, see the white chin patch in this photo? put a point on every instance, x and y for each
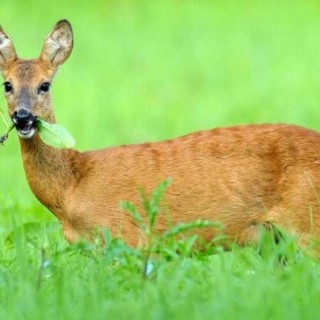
(26, 134)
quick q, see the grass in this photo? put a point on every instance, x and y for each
(145, 71)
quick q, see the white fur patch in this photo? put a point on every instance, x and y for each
(4, 41)
(27, 135)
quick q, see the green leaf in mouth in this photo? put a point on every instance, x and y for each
(50, 133)
(55, 135)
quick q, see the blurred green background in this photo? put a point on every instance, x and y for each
(156, 69)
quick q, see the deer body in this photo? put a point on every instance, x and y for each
(242, 176)
(224, 175)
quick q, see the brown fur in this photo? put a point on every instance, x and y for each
(242, 176)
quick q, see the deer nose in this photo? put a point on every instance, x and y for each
(22, 115)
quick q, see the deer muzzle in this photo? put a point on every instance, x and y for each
(25, 122)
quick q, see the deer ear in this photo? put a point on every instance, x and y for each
(7, 51)
(58, 44)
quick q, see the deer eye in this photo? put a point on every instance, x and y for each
(44, 87)
(7, 87)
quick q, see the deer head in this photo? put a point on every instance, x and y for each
(27, 81)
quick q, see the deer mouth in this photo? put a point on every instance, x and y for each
(25, 128)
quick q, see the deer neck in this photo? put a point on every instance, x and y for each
(49, 171)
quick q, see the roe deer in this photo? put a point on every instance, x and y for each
(244, 176)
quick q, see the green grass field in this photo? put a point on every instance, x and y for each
(145, 71)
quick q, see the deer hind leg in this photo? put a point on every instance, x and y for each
(301, 224)
(251, 235)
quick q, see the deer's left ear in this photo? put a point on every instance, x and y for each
(7, 51)
(58, 44)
